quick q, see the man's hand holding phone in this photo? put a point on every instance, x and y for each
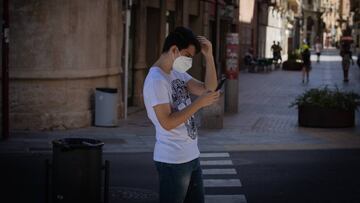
(211, 97)
(208, 98)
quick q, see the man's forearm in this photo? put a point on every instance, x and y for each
(177, 118)
(210, 75)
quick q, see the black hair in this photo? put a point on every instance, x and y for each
(182, 37)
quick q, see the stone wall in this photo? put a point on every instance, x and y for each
(60, 51)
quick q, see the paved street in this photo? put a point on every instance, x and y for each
(261, 155)
(236, 177)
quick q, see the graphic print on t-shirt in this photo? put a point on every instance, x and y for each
(181, 99)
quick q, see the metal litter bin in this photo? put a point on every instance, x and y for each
(106, 101)
(76, 172)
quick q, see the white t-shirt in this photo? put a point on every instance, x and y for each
(318, 47)
(178, 145)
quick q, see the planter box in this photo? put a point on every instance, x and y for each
(310, 116)
(292, 65)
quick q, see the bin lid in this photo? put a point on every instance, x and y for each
(107, 90)
(78, 143)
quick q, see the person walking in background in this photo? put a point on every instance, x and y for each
(318, 48)
(346, 55)
(273, 48)
(278, 52)
(305, 54)
(168, 104)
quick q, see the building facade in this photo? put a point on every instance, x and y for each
(312, 22)
(60, 52)
(154, 19)
(330, 16)
(339, 17)
(274, 26)
(248, 26)
(355, 9)
(264, 21)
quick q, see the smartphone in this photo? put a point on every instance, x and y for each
(220, 84)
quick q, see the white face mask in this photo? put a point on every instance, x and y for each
(182, 64)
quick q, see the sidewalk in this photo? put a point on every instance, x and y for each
(264, 121)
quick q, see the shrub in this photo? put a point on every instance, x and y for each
(327, 98)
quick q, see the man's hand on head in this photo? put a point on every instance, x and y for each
(206, 46)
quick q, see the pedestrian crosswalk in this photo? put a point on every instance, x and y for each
(218, 173)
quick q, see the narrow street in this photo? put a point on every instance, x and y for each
(261, 155)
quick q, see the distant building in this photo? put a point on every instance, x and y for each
(355, 9)
(338, 16)
(264, 21)
(312, 22)
(330, 16)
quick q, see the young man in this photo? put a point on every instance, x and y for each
(168, 105)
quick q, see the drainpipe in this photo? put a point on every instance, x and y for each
(126, 73)
(5, 71)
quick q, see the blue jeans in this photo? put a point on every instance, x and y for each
(180, 182)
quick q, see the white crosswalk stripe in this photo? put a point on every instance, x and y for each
(216, 162)
(211, 155)
(222, 183)
(225, 198)
(219, 171)
(222, 162)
